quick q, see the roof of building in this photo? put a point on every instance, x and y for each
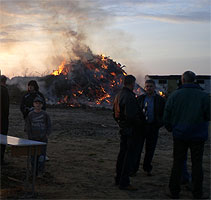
(170, 77)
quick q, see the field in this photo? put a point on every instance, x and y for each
(83, 149)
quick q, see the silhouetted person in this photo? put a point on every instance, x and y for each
(152, 105)
(28, 98)
(186, 114)
(4, 112)
(127, 115)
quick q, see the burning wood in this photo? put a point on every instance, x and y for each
(91, 82)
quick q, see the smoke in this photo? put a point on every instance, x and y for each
(50, 31)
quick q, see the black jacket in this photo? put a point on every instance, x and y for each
(159, 104)
(27, 102)
(126, 110)
(5, 102)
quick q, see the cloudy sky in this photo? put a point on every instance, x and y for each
(148, 36)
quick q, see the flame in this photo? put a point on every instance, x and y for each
(125, 73)
(80, 92)
(60, 70)
(103, 57)
(102, 98)
(104, 66)
(161, 93)
(107, 74)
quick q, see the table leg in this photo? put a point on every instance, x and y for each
(27, 172)
(35, 167)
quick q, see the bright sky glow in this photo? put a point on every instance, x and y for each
(148, 36)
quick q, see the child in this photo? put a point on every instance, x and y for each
(38, 127)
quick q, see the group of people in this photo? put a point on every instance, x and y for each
(37, 123)
(185, 113)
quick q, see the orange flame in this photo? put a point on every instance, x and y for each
(103, 57)
(60, 70)
(161, 94)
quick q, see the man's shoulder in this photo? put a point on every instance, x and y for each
(4, 88)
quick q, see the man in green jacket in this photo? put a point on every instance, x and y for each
(186, 114)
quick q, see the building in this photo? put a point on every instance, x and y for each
(168, 83)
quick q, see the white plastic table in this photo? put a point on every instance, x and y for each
(19, 147)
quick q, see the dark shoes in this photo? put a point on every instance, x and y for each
(133, 174)
(201, 197)
(3, 163)
(129, 188)
(173, 196)
(149, 174)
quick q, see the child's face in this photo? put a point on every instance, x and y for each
(37, 105)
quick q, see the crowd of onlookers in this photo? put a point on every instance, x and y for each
(185, 113)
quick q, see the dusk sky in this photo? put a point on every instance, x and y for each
(148, 36)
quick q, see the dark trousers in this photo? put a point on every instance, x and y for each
(4, 131)
(186, 176)
(40, 166)
(125, 159)
(179, 155)
(149, 138)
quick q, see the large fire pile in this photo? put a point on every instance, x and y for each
(92, 82)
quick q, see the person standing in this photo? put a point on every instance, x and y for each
(127, 114)
(27, 100)
(38, 128)
(152, 106)
(186, 114)
(5, 102)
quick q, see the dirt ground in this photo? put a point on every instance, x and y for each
(83, 149)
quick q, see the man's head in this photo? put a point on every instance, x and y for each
(38, 103)
(3, 79)
(149, 87)
(129, 82)
(33, 86)
(188, 77)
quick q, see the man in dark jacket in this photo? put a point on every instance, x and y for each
(127, 115)
(186, 114)
(4, 112)
(152, 106)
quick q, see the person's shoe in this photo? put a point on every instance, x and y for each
(185, 182)
(202, 197)
(129, 188)
(133, 174)
(116, 181)
(172, 195)
(149, 173)
(3, 163)
(47, 158)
